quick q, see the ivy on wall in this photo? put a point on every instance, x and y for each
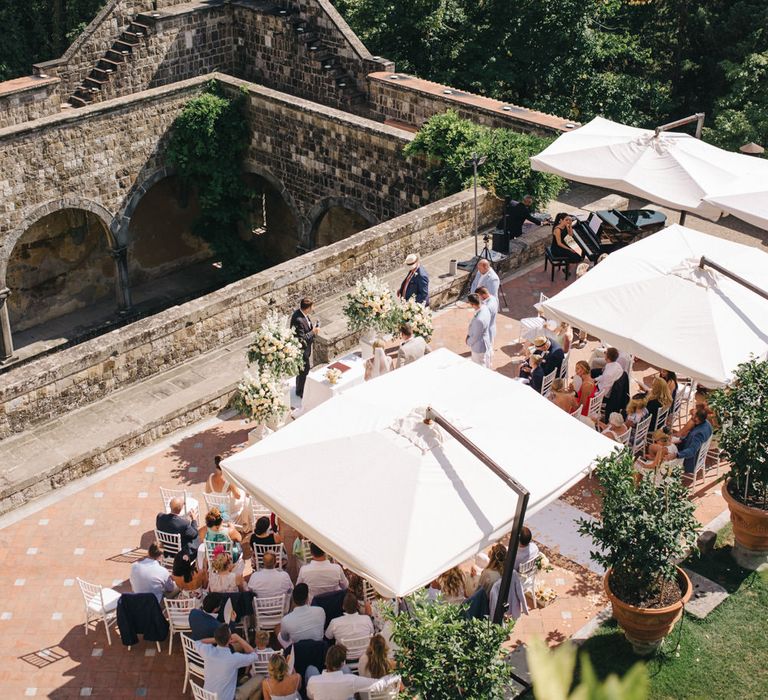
(207, 146)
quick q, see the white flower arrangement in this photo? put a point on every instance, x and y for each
(275, 348)
(332, 375)
(260, 397)
(370, 306)
(544, 596)
(419, 316)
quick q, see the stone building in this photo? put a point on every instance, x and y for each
(96, 231)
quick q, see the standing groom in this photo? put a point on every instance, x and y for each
(305, 332)
(478, 336)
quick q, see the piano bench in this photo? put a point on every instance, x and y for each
(556, 263)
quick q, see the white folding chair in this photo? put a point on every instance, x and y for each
(640, 436)
(269, 612)
(199, 694)
(210, 546)
(684, 399)
(261, 665)
(528, 571)
(190, 504)
(100, 605)
(356, 647)
(387, 688)
(576, 412)
(564, 367)
(222, 501)
(701, 462)
(171, 544)
(258, 510)
(546, 383)
(194, 664)
(369, 592)
(595, 411)
(259, 550)
(177, 611)
(624, 439)
(661, 420)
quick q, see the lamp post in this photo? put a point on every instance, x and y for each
(476, 160)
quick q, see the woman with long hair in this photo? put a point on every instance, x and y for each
(587, 386)
(659, 398)
(376, 661)
(493, 571)
(280, 683)
(378, 363)
(186, 575)
(561, 228)
(453, 586)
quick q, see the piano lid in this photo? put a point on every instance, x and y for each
(631, 220)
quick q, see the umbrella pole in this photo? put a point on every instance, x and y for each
(706, 262)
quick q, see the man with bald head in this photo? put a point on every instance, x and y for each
(270, 581)
(485, 277)
(174, 523)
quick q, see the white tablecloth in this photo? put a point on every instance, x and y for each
(319, 389)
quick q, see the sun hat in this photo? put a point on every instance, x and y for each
(412, 259)
(539, 341)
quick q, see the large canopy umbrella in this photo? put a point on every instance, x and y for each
(746, 198)
(669, 168)
(653, 300)
(399, 501)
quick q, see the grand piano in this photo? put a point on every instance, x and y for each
(609, 229)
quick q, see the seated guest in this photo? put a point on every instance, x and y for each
(616, 427)
(321, 575)
(204, 621)
(636, 411)
(378, 363)
(562, 235)
(269, 581)
(551, 353)
(376, 661)
(559, 333)
(351, 624)
(238, 500)
(215, 530)
(562, 397)
(700, 401)
(662, 448)
(493, 571)
(455, 585)
(186, 575)
(527, 549)
(336, 682)
(536, 374)
(148, 575)
(658, 398)
(611, 372)
(223, 578)
(176, 524)
(303, 622)
(618, 397)
(263, 534)
(222, 665)
(281, 683)
(412, 347)
(587, 387)
(689, 446)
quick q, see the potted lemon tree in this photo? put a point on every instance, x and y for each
(742, 414)
(646, 525)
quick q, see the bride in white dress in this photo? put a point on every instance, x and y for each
(379, 363)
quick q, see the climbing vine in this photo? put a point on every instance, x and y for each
(207, 146)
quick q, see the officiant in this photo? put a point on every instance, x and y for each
(416, 282)
(305, 332)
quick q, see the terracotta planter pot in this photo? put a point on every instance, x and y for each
(750, 525)
(645, 628)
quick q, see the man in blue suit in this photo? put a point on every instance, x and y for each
(688, 449)
(416, 282)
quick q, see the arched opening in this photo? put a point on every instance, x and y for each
(60, 264)
(271, 223)
(337, 222)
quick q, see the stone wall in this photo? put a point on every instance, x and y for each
(411, 101)
(24, 99)
(312, 152)
(46, 387)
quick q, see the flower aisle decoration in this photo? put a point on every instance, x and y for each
(276, 349)
(418, 316)
(333, 375)
(370, 306)
(260, 397)
(545, 596)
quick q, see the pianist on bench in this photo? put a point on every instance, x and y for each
(562, 227)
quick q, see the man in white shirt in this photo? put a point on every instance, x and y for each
(485, 277)
(269, 582)
(321, 575)
(303, 622)
(351, 625)
(148, 575)
(336, 682)
(611, 372)
(411, 347)
(221, 665)
(492, 304)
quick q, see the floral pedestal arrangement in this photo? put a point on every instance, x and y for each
(369, 309)
(258, 433)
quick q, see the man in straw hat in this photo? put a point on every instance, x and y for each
(416, 282)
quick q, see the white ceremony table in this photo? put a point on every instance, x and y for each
(318, 389)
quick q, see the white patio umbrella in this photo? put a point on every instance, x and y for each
(651, 299)
(745, 198)
(400, 502)
(671, 168)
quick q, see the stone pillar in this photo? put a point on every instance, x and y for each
(120, 255)
(6, 337)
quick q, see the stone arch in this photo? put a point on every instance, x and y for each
(250, 166)
(122, 219)
(361, 218)
(34, 215)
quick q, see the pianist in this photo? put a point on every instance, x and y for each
(562, 239)
(518, 214)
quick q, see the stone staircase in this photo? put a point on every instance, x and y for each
(310, 37)
(98, 84)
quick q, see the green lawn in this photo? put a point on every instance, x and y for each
(723, 657)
